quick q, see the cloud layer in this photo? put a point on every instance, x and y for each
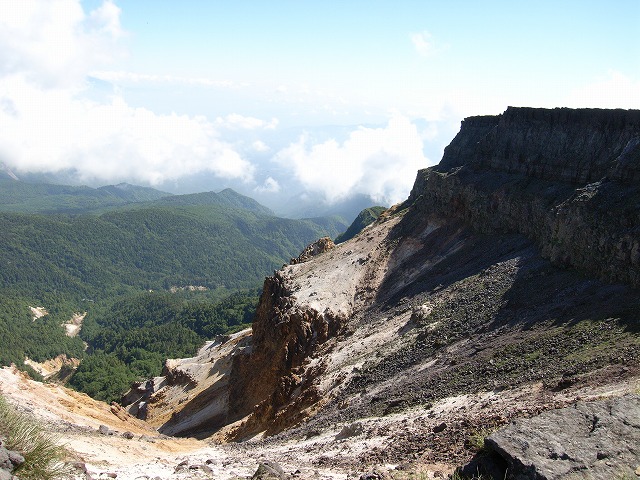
(379, 162)
(49, 124)
(60, 111)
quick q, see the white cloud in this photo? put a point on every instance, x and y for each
(53, 43)
(270, 185)
(616, 90)
(260, 146)
(121, 77)
(53, 131)
(423, 43)
(106, 18)
(236, 121)
(380, 162)
(47, 49)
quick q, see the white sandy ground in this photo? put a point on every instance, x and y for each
(74, 324)
(38, 312)
(76, 417)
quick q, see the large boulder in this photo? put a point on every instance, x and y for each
(589, 440)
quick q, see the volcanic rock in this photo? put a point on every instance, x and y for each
(587, 440)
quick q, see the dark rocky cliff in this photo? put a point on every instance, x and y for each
(567, 179)
(560, 145)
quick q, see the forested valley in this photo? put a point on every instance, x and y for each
(152, 279)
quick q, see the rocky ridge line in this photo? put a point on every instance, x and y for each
(521, 172)
(567, 179)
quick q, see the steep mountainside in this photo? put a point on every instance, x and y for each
(506, 284)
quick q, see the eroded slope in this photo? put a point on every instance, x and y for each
(513, 267)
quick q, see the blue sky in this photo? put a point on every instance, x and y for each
(283, 98)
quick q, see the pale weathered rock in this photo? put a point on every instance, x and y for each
(15, 458)
(9, 461)
(104, 430)
(316, 248)
(268, 470)
(7, 475)
(5, 463)
(351, 430)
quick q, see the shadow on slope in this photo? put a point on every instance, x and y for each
(490, 313)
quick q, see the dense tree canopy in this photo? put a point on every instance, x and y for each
(134, 271)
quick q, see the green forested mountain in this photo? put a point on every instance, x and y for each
(365, 217)
(127, 268)
(227, 197)
(133, 193)
(151, 248)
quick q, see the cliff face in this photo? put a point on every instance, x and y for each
(560, 145)
(275, 383)
(568, 179)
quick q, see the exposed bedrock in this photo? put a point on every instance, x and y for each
(275, 382)
(567, 179)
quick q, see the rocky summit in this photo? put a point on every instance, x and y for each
(506, 286)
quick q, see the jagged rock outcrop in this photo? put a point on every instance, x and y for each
(316, 248)
(595, 440)
(275, 383)
(567, 179)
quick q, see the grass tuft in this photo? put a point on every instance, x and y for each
(44, 457)
(475, 441)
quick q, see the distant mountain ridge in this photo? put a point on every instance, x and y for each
(25, 197)
(134, 193)
(226, 197)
